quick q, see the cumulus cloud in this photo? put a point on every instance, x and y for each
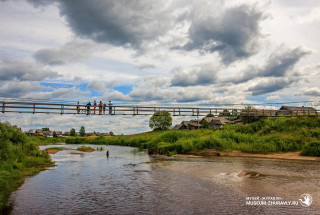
(314, 91)
(60, 93)
(198, 75)
(269, 85)
(234, 33)
(278, 64)
(97, 85)
(12, 69)
(272, 98)
(118, 22)
(16, 89)
(74, 51)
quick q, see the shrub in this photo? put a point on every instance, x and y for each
(311, 149)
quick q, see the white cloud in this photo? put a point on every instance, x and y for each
(272, 98)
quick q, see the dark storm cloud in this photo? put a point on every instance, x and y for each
(74, 51)
(12, 69)
(270, 85)
(126, 22)
(199, 75)
(279, 64)
(282, 62)
(234, 34)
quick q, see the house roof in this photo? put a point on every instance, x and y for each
(297, 108)
(216, 120)
(31, 131)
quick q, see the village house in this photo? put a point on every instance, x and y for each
(31, 132)
(190, 125)
(296, 111)
(215, 122)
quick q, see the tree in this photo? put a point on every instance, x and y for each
(73, 132)
(54, 134)
(111, 133)
(210, 115)
(45, 129)
(225, 113)
(160, 120)
(205, 124)
(82, 131)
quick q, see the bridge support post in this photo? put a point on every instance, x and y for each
(34, 108)
(3, 107)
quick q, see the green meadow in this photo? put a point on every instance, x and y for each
(266, 135)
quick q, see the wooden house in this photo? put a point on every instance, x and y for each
(297, 111)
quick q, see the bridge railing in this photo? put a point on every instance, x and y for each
(63, 108)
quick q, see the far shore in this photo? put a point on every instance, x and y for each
(284, 155)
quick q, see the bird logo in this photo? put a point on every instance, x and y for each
(305, 200)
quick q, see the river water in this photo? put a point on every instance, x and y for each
(131, 182)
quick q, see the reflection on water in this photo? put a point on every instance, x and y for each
(127, 183)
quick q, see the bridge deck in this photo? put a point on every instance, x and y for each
(63, 108)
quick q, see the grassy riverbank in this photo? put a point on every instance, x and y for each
(19, 157)
(267, 135)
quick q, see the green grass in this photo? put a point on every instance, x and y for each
(85, 149)
(57, 148)
(267, 135)
(19, 157)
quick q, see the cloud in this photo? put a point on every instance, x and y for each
(60, 93)
(17, 89)
(97, 85)
(282, 61)
(146, 66)
(278, 64)
(12, 69)
(198, 75)
(234, 34)
(120, 23)
(269, 85)
(272, 98)
(314, 91)
(74, 51)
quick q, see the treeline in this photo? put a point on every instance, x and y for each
(266, 135)
(19, 157)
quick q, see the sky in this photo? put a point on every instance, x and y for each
(156, 52)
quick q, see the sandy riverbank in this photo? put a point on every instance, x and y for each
(285, 155)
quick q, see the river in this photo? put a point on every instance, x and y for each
(131, 182)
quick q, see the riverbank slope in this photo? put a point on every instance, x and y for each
(19, 157)
(265, 136)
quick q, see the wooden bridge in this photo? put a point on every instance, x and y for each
(54, 107)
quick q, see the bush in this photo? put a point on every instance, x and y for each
(17, 151)
(311, 149)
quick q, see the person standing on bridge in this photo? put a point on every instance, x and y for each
(88, 108)
(78, 107)
(100, 107)
(110, 107)
(104, 108)
(94, 106)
